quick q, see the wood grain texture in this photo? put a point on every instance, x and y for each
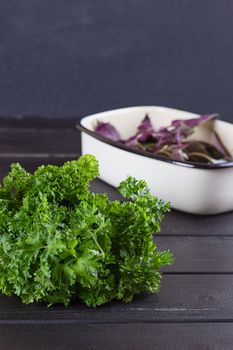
(178, 223)
(180, 336)
(182, 298)
(201, 254)
(31, 140)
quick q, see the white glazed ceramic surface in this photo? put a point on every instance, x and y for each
(191, 189)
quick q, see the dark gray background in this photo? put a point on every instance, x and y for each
(74, 57)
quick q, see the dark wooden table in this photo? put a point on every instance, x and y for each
(194, 309)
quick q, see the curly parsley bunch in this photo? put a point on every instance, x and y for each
(58, 240)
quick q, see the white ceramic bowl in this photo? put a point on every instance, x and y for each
(193, 188)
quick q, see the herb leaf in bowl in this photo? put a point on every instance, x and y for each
(174, 141)
(60, 241)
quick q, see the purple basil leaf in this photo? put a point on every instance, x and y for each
(145, 129)
(179, 130)
(145, 133)
(194, 121)
(132, 141)
(165, 136)
(107, 130)
(171, 142)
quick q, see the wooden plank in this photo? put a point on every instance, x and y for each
(198, 254)
(178, 223)
(182, 298)
(27, 140)
(39, 122)
(119, 336)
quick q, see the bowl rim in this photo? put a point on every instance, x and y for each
(148, 154)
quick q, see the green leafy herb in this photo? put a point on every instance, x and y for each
(58, 240)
